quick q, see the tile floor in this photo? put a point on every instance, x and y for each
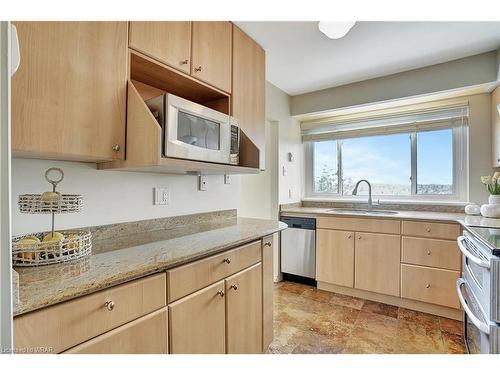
(308, 320)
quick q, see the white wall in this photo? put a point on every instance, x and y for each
(114, 197)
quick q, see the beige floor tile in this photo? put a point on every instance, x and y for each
(455, 327)
(347, 301)
(317, 295)
(365, 341)
(380, 308)
(453, 344)
(412, 338)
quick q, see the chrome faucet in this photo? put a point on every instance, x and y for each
(355, 192)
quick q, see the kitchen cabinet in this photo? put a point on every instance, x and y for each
(377, 263)
(68, 96)
(495, 126)
(197, 322)
(335, 257)
(167, 42)
(248, 98)
(244, 311)
(212, 53)
(146, 335)
(267, 291)
(445, 231)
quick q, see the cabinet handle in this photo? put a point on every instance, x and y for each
(498, 160)
(349, 236)
(428, 252)
(221, 293)
(109, 305)
(234, 286)
(359, 237)
(198, 69)
(116, 148)
(428, 286)
(184, 62)
(227, 260)
(268, 244)
(428, 230)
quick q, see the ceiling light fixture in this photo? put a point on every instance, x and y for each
(335, 29)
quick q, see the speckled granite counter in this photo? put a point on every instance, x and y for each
(128, 257)
(407, 215)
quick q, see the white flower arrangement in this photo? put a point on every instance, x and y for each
(492, 183)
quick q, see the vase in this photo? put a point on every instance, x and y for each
(490, 210)
(494, 199)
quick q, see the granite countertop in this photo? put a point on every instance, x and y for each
(125, 258)
(409, 215)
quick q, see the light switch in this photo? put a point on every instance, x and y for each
(202, 183)
(284, 171)
(227, 179)
(161, 196)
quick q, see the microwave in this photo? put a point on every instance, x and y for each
(195, 132)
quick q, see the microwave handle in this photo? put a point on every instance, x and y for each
(483, 327)
(469, 255)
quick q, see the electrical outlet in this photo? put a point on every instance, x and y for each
(284, 171)
(202, 183)
(161, 196)
(227, 179)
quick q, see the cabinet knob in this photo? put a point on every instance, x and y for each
(227, 260)
(359, 237)
(428, 230)
(498, 160)
(184, 62)
(349, 236)
(428, 286)
(268, 244)
(221, 293)
(198, 69)
(109, 305)
(234, 286)
(116, 148)
(428, 252)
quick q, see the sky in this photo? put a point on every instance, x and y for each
(387, 159)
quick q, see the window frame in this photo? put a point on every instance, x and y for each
(460, 139)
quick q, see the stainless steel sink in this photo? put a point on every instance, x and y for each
(362, 211)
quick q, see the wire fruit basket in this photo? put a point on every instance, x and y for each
(37, 249)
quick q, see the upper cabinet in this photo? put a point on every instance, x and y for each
(249, 95)
(68, 96)
(168, 42)
(495, 126)
(212, 51)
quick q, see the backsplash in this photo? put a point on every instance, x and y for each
(115, 197)
(386, 206)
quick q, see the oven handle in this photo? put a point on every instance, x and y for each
(483, 327)
(473, 258)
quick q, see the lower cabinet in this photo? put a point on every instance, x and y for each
(335, 257)
(146, 335)
(244, 311)
(197, 322)
(377, 258)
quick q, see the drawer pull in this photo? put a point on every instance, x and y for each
(184, 62)
(349, 236)
(234, 286)
(359, 237)
(110, 305)
(227, 260)
(198, 69)
(221, 293)
(428, 286)
(267, 244)
(428, 230)
(428, 252)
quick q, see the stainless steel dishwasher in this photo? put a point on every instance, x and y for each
(298, 249)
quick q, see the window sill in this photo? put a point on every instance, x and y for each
(387, 201)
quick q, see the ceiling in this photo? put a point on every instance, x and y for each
(299, 58)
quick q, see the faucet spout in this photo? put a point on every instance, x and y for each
(355, 192)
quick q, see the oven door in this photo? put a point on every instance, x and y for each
(476, 327)
(196, 132)
(476, 271)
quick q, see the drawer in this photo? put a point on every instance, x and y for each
(445, 231)
(431, 252)
(359, 224)
(430, 285)
(67, 324)
(146, 335)
(191, 277)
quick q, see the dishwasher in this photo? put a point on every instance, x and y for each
(298, 249)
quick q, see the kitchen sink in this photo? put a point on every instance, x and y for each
(362, 211)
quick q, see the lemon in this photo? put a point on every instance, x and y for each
(28, 240)
(53, 237)
(50, 196)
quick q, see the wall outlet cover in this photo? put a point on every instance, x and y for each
(161, 196)
(202, 183)
(227, 179)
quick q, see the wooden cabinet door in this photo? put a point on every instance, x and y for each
(212, 53)
(377, 263)
(168, 42)
(249, 92)
(495, 126)
(68, 96)
(335, 257)
(267, 292)
(197, 322)
(146, 335)
(244, 311)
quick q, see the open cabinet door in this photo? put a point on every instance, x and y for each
(7, 68)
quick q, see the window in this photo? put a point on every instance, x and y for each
(410, 162)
